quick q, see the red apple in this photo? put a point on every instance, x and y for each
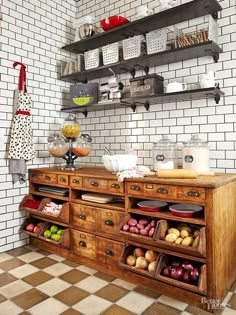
(36, 229)
(30, 227)
(40, 224)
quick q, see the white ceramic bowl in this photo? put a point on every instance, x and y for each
(119, 162)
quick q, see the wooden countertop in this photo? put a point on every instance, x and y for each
(99, 171)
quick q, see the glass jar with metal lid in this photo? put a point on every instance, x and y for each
(71, 127)
(164, 154)
(57, 146)
(82, 145)
(195, 154)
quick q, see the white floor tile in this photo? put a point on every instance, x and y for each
(135, 302)
(172, 302)
(10, 308)
(5, 257)
(56, 257)
(14, 288)
(228, 311)
(57, 269)
(29, 257)
(87, 270)
(91, 284)
(48, 307)
(23, 271)
(53, 286)
(124, 284)
(92, 305)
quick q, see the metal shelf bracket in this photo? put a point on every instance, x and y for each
(133, 107)
(85, 114)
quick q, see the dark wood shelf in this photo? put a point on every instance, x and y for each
(159, 20)
(146, 101)
(146, 61)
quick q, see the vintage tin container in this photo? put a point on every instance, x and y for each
(147, 85)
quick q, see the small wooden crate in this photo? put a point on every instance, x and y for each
(44, 201)
(65, 237)
(63, 216)
(35, 222)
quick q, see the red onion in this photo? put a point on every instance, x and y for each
(177, 273)
(167, 271)
(125, 227)
(143, 221)
(186, 277)
(187, 265)
(194, 274)
(143, 232)
(134, 229)
(140, 226)
(132, 222)
(175, 263)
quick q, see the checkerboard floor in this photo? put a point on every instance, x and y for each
(33, 281)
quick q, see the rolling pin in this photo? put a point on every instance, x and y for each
(181, 173)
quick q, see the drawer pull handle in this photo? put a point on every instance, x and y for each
(193, 194)
(162, 191)
(82, 243)
(109, 222)
(47, 177)
(62, 179)
(115, 185)
(94, 184)
(75, 181)
(109, 252)
(135, 187)
(34, 175)
(82, 216)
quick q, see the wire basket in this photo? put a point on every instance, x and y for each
(134, 47)
(110, 53)
(156, 41)
(92, 59)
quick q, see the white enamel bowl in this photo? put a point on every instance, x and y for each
(119, 162)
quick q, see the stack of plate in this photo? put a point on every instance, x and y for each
(54, 190)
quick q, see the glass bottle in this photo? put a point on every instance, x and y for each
(82, 145)
(195, 154)
(71, 127)
(57, 146)
(164, 154)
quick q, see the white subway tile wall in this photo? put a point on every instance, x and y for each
(33, 33)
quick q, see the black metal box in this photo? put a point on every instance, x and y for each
(147, 85)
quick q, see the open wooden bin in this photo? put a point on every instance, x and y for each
(138, 236)
(34, 222)
(30, 197)
(63, 215)
(64, 240)
(200, 286)
(128, 250)
(200, 246)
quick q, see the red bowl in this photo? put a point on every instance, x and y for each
(185, 210)
(112, 22)
(152, 205)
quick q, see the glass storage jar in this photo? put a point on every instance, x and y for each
(71, 127)
(82, 145)
(164, 154)
(196, 154)
(57, 146)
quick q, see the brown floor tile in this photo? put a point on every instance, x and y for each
(158, 308)
(197, 311)
(111, 292)
(29, 298)
(104, 276)
(11, 264)
(6, 278)
(74, 276)
(18, 251)
(118, 310)
(25, 313)
(43, 262)
(71, 311)
(70, 263)
(37, 278)
(43, 252)
(147, 292)
(2, 298)
(232, 302)
(71, 296)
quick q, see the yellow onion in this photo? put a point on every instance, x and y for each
(141, 263)
(150, 255)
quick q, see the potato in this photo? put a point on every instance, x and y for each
(172, 237)
(173, 230)
(187, 241)
(196, 241)
(186, 228)
(179, 240)
(184, 233)
(196, 233)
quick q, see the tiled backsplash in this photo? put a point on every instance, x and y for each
(33, 32)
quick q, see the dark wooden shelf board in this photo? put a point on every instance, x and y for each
(159, 20)
(144, 100)
(168, 56)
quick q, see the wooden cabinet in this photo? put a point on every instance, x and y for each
(94, 236)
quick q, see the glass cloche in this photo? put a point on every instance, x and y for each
(57, 146)
(71, 127)
(82, 145)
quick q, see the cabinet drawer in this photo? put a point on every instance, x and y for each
(76, 181)
(108, 251)
(83, 244)
(108, 221)
(115, 186)
(83, 216)
(63, 180)
(36, 176)
(95, 183)
(49, 178)
(135, 188)
(160, 191)
(191, 194)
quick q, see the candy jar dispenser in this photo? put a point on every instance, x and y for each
(57, 146)
(82, 145)
(71, 127)
(164, 154)
(196, 154)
